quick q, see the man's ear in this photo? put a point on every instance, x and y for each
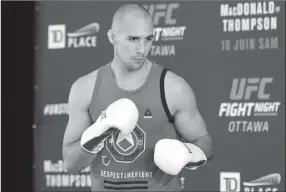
(111, 36)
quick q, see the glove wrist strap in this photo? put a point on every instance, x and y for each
(198, 157)
(95, 144)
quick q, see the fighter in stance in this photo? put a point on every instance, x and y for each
(127, 118)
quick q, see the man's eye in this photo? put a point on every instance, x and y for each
(132, 39)
(149, 39)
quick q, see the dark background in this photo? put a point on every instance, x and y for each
(17, 57)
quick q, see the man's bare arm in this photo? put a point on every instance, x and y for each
(187, 119)
(75, 158)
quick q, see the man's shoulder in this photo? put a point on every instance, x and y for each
(179, 86)
(86, 80)
(82, 88)
(170, 75)
(173, 79)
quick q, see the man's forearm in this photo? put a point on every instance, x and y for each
(76, 158)
(205, 144)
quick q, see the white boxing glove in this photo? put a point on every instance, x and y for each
(121, 114)
(171, 156)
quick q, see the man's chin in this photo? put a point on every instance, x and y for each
(137, 64)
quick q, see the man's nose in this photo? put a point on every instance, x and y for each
(140, 47)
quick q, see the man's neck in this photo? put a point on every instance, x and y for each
(131, 80)
(119, 70)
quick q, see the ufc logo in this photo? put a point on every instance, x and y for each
(229, 182)
(243, 88)
(162, 11)
(56, 36)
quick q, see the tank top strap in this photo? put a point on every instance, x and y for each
(101, 72)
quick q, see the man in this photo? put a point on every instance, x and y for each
(158, 106)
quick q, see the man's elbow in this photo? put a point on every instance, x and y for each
(211, 152)
(71, 168)
(70, 164)
(210, 156)
(206, 144)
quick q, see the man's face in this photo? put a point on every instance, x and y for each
(134, 42)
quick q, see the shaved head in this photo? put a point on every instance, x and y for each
(128, 13)
(131, 35)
